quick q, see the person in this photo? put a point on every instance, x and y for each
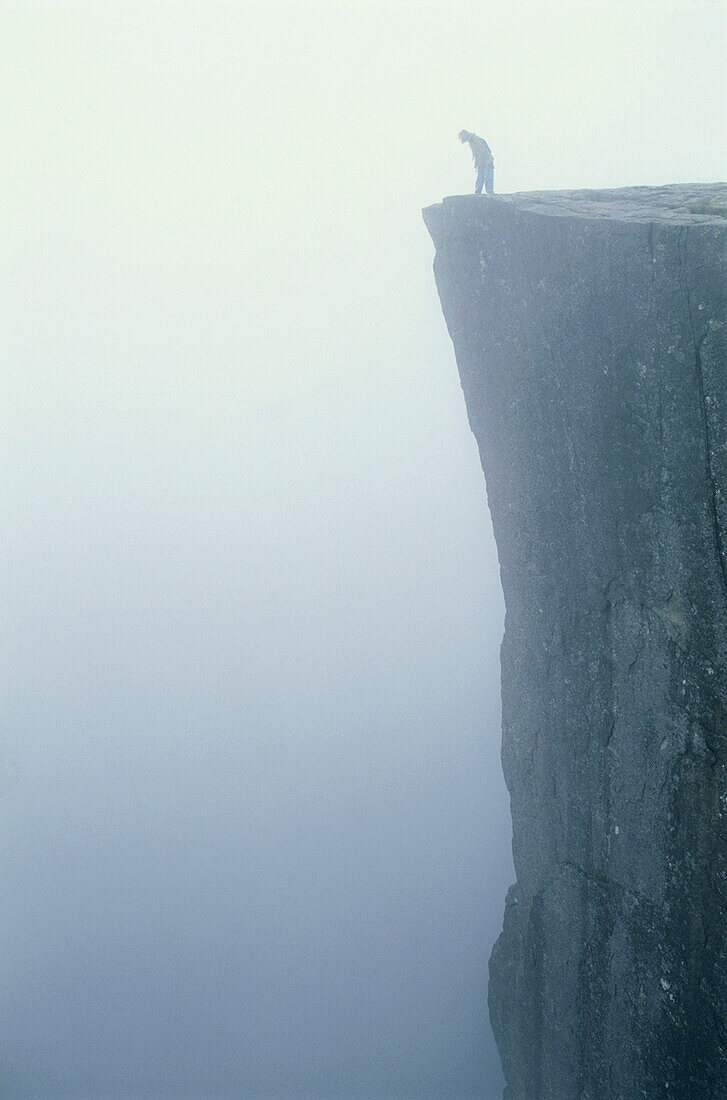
(484, 161)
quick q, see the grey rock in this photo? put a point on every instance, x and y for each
(590, 334)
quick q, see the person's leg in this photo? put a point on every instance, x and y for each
(490, 179)
(480, 181)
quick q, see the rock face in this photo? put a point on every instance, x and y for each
(590, 334)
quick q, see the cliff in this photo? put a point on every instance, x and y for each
(589, 331)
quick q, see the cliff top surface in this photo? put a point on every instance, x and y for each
(678, 204)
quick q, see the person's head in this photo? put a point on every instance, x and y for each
(464, 135)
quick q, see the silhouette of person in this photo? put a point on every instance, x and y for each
(484, 161)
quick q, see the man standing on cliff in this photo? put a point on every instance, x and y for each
(484, 161)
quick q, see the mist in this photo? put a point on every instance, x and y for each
(256, 837)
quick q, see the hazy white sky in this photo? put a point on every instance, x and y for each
(255, 818)
(233, 188)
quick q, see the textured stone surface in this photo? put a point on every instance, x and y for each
(589, 330)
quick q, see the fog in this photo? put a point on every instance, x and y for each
(256, 839)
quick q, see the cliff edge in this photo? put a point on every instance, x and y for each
(590, 334)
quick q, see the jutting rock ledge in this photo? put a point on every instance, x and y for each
(590, 333)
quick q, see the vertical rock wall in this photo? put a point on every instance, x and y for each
(590, 334)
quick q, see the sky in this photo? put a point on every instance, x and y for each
(255, 835)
